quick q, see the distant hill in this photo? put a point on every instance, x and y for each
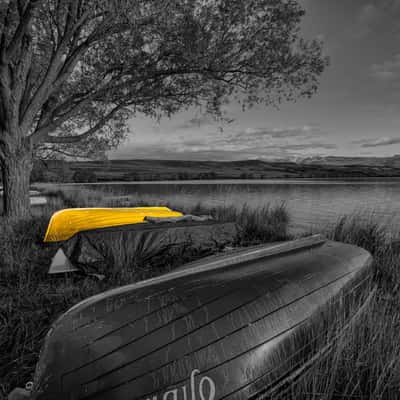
(345, 161)
(132, 170)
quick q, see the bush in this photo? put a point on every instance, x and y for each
(38, 171)
(84, 176)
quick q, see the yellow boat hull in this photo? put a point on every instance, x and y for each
(66, 223)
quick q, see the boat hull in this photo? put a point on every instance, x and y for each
(226, 327)
(66, 223)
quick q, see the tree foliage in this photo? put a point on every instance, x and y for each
(73, 71)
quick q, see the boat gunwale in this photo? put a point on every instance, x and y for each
(146, 225)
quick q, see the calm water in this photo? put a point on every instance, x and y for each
(311, 203)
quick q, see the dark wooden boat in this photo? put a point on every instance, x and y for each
(232, 326)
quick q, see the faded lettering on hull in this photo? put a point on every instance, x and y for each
(198, 389)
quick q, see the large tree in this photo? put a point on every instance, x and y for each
(73, 71)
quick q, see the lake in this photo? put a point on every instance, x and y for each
(311, 203)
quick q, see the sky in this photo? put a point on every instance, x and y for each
(356, 111)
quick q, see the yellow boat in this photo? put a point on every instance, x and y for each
(66, 223)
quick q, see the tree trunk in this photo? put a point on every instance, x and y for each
(16, 170)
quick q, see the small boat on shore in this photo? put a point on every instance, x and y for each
(237, 325)
(67, 222)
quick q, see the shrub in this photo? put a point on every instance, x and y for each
(85, 176)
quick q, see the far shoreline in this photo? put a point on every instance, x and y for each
(297, 180)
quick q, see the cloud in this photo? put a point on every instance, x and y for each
(388, 70)
(377, 15)
(384, 141)
(311, 145)
(216, 154)
(374, 11)
(369, 14)
(196, 122)
(366, 20)
(280, 133)
(249, 143)
(205, 152)
(381, 109)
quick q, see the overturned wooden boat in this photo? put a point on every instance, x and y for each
(66, 223)
(237, 325)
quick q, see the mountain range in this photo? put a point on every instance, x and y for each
(393, 161)
(133, 170)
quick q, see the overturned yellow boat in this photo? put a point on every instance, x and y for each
(66, 223)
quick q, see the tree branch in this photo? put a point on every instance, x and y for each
(56, 116)
(58, 70)
(45, 137)
(55, 149)
(22, 28)
(3, 40)
(46, 86)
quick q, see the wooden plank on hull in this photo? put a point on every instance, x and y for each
(219, 324)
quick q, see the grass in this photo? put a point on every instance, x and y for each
(364, 363)
(31, 299)
(266, 223)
